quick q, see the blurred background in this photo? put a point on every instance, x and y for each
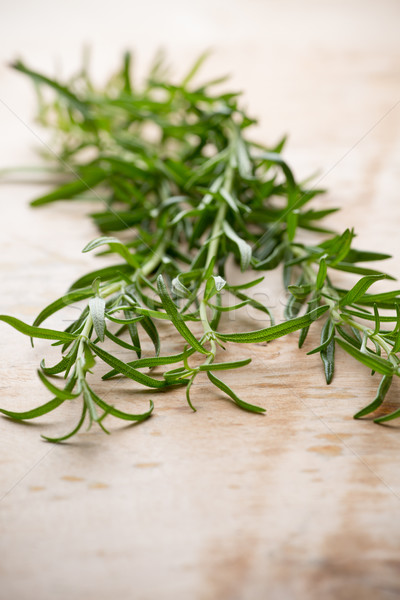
(325, 73)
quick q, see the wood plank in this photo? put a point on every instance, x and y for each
(301, 503)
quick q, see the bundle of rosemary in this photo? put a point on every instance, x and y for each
(173, 171)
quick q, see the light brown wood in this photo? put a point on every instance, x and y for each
(302, 503)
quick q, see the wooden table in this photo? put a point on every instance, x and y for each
(302, 503)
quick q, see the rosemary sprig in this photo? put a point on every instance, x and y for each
(174, 171)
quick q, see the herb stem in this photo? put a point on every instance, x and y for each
(155, 260)
(209, 334)
(215, 234)
(211, 255)
(217, 228)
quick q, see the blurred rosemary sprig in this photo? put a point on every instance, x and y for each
(175, 173)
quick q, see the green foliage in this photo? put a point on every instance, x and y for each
(186, 200)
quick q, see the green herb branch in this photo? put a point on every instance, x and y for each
(181, 189)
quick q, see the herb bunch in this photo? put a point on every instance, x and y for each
(183, 188)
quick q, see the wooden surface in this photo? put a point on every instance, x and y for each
(302, 503)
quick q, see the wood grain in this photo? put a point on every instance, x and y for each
(301, 503)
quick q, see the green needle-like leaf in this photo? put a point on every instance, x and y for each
(115, 412)
(70, 298)
(153, 361)
(321, 274)
(328, 350)
(70, 190)
(97, 307)
(62, 394)
(62, 90)
(383, 389)
(35, 412)
(125, 369)
(389, 417)
(176, 317)
(229, 392)
(272, 333)
(38, 332)
(116, 246)
(152, 332)
(60, 367)
(225, 366)
(359, 289)
(245, 286)
(242, 246)
(56, 440)
(380, 365)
